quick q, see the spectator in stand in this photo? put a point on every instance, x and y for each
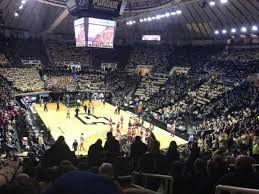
(194, 154)
(199, 177)
(22, 184)
(58, 152)
(216, 168)
(243, 176)
(138, 149)
(178, 172)
(153, 161)
(95, 154)
(172, 152)
(112, 146)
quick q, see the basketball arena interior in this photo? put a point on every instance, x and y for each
(129, 96)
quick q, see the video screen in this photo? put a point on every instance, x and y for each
(80, 35)
(101, 33)
(151, 37)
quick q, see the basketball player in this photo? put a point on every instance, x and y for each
(40, 101)
(46, 106)
(58, 105)
(77, 112)
(68, 112)
(82, 139)
(75, 146)
(85, 108)
(89, 108)
(92, 109)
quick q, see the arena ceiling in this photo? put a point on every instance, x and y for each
(197, 21)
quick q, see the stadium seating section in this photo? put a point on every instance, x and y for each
(214, 98)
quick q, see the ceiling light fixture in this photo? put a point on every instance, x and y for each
(212, 3)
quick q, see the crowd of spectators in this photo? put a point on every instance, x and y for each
(23, 79)
(193, 170)
(173, 90)
(157, 57)
(66, 53)
(224, 115)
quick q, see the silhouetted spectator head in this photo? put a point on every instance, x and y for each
(137, 138)
(99, 142)
(109, 135)
(106, 169)
(173, 145)
(60, 140)
(155, 147)
(243, 164)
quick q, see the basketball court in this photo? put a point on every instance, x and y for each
(93, 126)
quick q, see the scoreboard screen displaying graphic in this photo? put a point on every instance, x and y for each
(80, 35)
(93, 32)
(101, 33)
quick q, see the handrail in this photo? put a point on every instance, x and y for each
(145, 189)
(153, 175)
(168, 180)
(231, 189)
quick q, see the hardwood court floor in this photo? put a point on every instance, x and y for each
(93, 127)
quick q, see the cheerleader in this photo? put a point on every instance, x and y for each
(118, 126)
(142, 132)
(129, 135)
(110, 123)
(118, 135)
(147, 134)
(133, 132)
(121, 123)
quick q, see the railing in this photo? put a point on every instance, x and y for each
(168, 180)
(233, 190)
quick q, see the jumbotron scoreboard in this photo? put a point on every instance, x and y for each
(94, 26)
